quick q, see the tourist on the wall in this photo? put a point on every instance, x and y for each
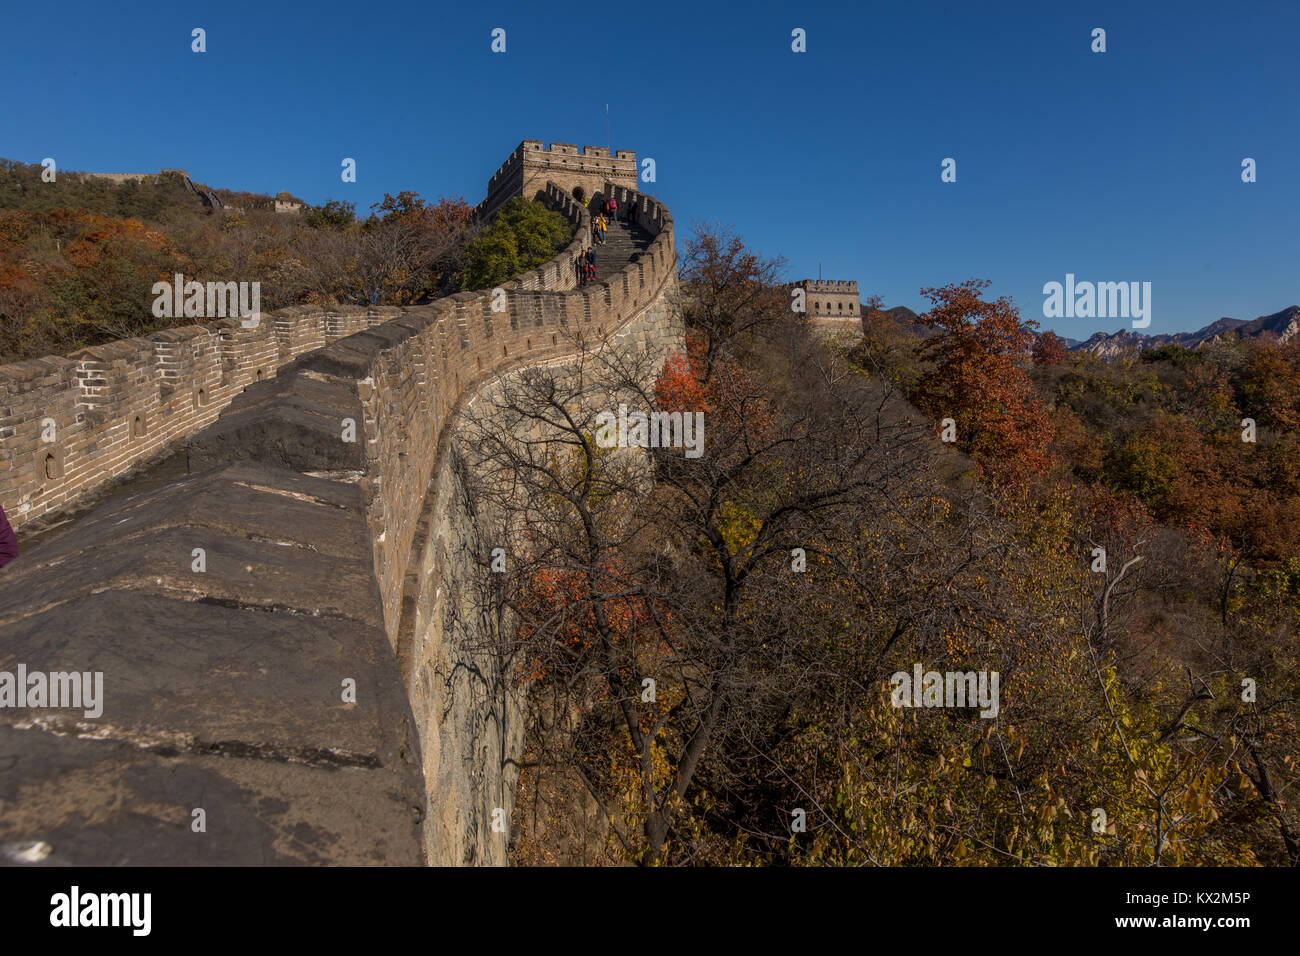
(613, 208)
(591, 263)
(8, 541)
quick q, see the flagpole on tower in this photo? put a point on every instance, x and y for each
(608, 142)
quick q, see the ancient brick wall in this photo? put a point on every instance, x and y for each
(69, 424)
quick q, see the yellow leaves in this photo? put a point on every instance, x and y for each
(737, 525)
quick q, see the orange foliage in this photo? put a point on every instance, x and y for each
(977, 382)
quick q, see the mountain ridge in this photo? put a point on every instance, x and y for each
(1285, 324)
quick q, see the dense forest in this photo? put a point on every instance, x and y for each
(709, 644)
(79, 256)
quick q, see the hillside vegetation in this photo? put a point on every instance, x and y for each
(1097, 535)
(79, 256)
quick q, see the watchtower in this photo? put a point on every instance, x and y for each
(827, 299)
(533, 164)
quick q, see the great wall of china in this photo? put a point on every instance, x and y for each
(234, 609)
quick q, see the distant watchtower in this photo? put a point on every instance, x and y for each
(532, 164)
(831, 299)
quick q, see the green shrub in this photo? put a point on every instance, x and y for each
(523, 235)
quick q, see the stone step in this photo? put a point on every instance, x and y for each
(621, 243)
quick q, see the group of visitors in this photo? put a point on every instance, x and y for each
(605, 211)
(585, 266)
(610, 209)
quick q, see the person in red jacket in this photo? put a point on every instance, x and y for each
(8, 541)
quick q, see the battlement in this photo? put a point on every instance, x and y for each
(846, 286)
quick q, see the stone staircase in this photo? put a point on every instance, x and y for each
(622, 242)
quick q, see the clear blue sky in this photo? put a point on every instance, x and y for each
(1122, 166)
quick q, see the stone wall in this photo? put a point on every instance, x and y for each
(111, 407)
(128, 177)
(278, 448)
(410, 376)
(71, 424)
(451, 640)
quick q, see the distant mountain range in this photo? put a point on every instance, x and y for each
(1284, 324)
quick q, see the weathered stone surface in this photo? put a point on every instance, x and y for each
(114, 803)
(222, 687)
(296, 423)
(266, 680)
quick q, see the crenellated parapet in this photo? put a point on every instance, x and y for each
(71, 424)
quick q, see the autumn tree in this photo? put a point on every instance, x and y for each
(335, 215)
(1048, 349)
(687, 571)
(976, 380)
(728, 290)
(78, 257)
